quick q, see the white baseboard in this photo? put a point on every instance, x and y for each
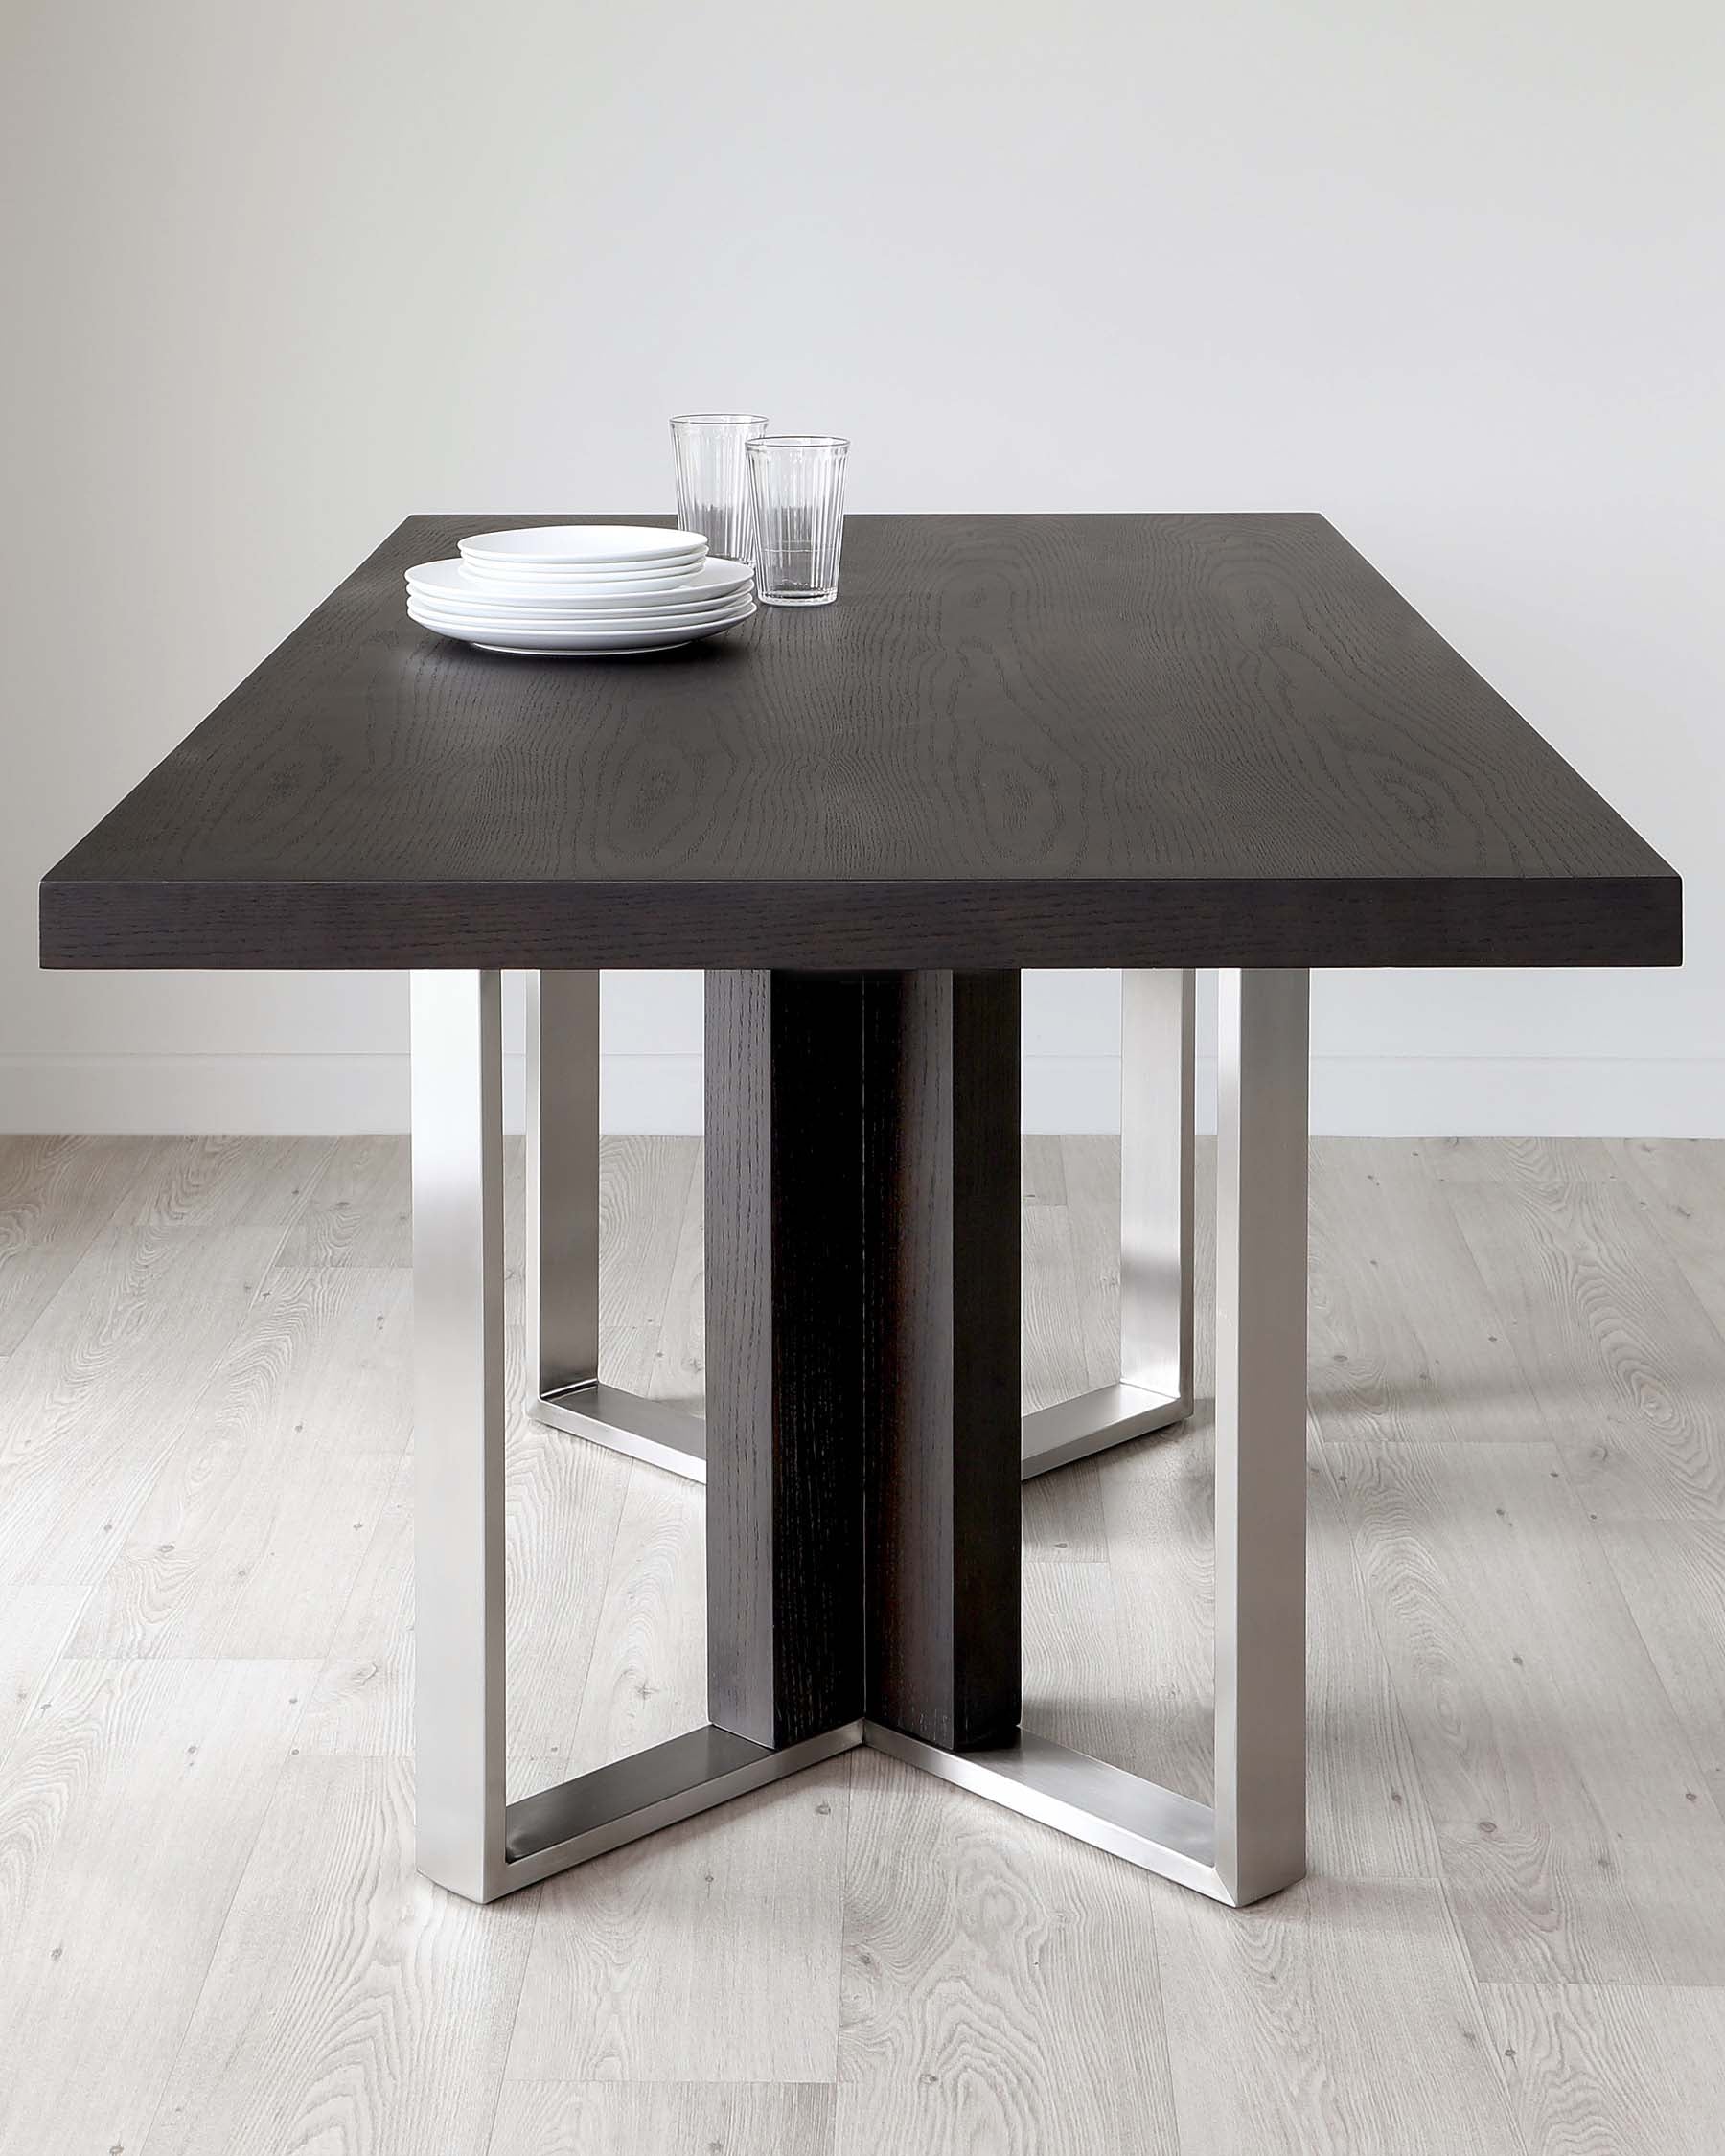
(1367, 1096)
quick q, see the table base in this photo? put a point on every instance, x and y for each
(861, 1228)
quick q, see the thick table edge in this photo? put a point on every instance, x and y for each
(1626, 920)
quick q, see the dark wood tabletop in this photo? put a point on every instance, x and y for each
(1015, 741)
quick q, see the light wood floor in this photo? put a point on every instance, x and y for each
(211, 1939)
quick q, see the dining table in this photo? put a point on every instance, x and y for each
(1156, 743)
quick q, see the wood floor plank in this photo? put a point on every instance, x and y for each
(350, 2004)
(106, 1382)
(1076, 1690)
(1561, 1784)
(1613, 2071)
(1624, 1369)
(227, 1182)
(562, 1499)
(357, 1208)
(1091, 1177)
(643, 1199)
(680, 1362)
(129, 1809)
(1405, 1344)
(1052, 1345)
(1338, 2016)
(360, 1704)
(251, 1534)
(1000, 1981)
(1041, 1170)
(1673, 1574)
(1062, 1512)
(708, 1951)
(37, 1626)
(1680, 1183)
(646, 1675)
(57, 1194)
(662, 2118)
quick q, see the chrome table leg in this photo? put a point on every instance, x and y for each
(1251, 1841)
(469, 1838)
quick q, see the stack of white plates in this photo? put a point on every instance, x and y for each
(572, 590)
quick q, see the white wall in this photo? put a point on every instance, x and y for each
(1447, 271)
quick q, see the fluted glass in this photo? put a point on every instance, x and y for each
(798, 485)
(712, 479)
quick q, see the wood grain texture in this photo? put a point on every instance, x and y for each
(645, 1679)
(1405, 1341)
(1673, 1574)
(362, 1704)
(663, 2119)
(57, 1194)
(1578, 1840)
(130, 1804)
(351, 2005)
(1617, 1353)
(39, 1626)
(1002, 1984)
(251, 1534)
(943, 1395)
(707, 1953)
(358, 1209)
(1015, 741)
(1612, 2069)
(1680, 1183)
(785, 1381)
(1335, 2018)
(147, 1312)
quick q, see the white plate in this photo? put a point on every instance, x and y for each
(525, 617)
(573, 643)
(468, 625)
(583, 546)
(448, 581)
(608, 580)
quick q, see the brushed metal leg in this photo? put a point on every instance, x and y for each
(457, 1060)
(469, 1837)
(1154, 1387)
(563, 1180)
(1261, 1119)
(1251, 1841)
(562, 1239)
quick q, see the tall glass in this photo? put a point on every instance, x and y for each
(799, 486)
(712, 479)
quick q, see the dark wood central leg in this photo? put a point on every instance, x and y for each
(941, 1110)
(785, 1353)
(862, 1353)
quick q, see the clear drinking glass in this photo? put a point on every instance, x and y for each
(712, 479)
(798, 484)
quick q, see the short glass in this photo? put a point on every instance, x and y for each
(712, 479)
(798, 485)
